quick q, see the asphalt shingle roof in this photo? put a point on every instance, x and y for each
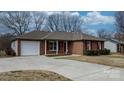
(42, 35)
(116, 41)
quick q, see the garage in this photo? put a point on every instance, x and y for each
(30, 48)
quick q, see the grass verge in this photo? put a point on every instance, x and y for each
(32, 75)
(110, 60)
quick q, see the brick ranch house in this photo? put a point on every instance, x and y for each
(55, 43)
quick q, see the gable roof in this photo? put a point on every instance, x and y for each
(116, 41)
(43, 35)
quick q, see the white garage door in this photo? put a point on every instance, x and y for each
(30, 48)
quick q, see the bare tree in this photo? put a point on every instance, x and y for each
(39, 20)
(17, 21)
(54, 22)
(105, 34)
(64, 22)
(120, 25)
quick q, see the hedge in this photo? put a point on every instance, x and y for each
(7, 52)
(97, 52)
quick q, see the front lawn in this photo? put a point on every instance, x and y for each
(32, 75)
(6, 56)
(109, 60)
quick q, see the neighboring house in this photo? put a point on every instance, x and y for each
(115, 46)
(55, 43)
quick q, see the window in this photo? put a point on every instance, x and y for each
(88, 45)
(99, 45)
(118, 48)
(52, 45)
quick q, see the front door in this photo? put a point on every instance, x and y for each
(61, 47)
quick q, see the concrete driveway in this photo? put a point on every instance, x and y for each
(72, 69)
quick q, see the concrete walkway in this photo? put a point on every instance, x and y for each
(74, 70)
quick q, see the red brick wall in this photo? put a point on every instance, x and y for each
(84, 45)
(77, 47)
(97, 45)
(70, 45)
(61, 48)
(94, 45)
(74, 47)
(42, 47)
(50, 52)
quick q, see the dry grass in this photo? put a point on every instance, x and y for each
(110, 60)
(32, 75)
(7, 56)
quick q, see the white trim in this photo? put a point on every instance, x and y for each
(66, 47)
(57, 47)
(45, 47)
(89, 45)
(30, 48)
(14, 46)
(53, 46)
(100, 45)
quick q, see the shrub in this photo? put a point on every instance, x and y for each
(10, 52)
(13, 53)
(105, 52)
(92, 52)
(2, 53)
(97, 52)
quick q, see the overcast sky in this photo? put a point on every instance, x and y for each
(93, 20)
